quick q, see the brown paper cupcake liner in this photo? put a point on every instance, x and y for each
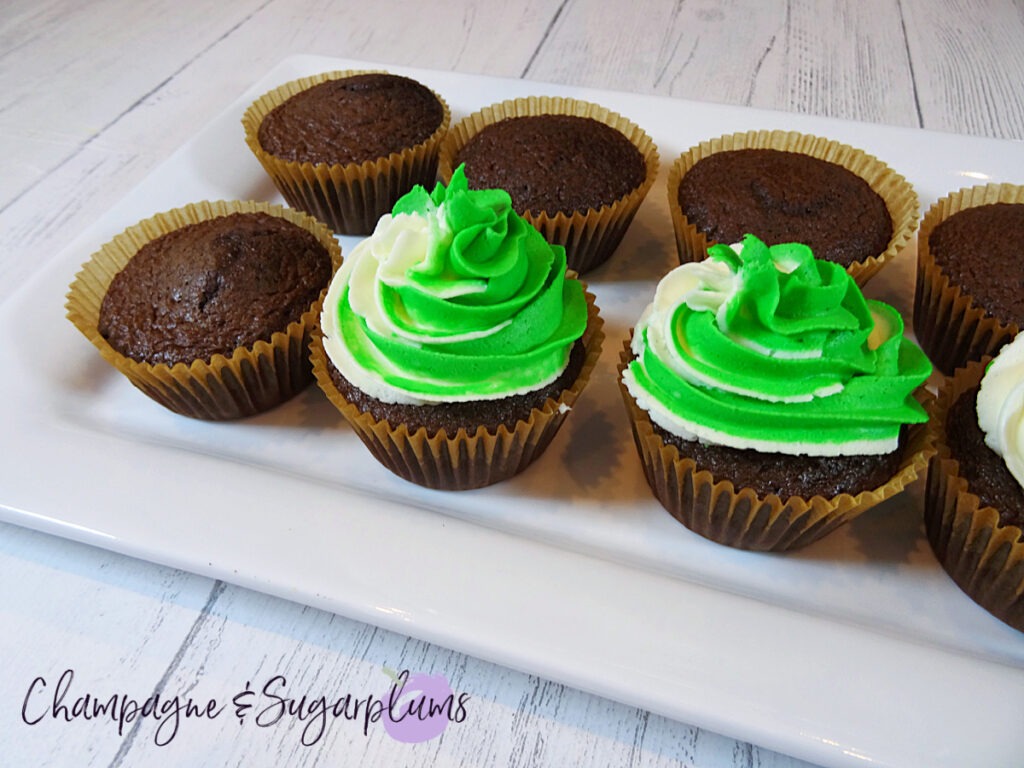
(898, 194)
(738, 517)
(984, 558)
(463, 460)
(351, 197)
(249, 380)
(950, 326)
(589, 238)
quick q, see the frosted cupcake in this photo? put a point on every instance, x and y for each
(974, 504)
(768, 397)
(453, 340)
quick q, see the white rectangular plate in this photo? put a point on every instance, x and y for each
(856, 650)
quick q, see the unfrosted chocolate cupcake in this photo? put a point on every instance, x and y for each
(212, 286)
(575, 170)
(209, 309)
(351, 120)
(786, 197)
(968, 301)
(345, 145)
(784, 187)
(553, 163)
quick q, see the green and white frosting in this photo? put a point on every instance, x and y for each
(768, 348)
(1001, 406)
(454, 297)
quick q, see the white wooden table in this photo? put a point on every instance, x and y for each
(94, 95)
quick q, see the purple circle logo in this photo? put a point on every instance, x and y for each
(418, 706)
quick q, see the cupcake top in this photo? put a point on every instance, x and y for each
(211, 287)
(785, 197)
(352, 120)
(979, 249)
(453, 298)
(768, 348)
(554, 163)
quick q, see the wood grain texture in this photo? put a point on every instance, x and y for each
(967, 57)
(117, 623)
(94, 95)
(830, 58)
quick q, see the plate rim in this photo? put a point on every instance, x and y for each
(572, 659)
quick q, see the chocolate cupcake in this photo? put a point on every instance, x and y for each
(968, 301)
(849, 207)
(769, 401)
(575, 170)
(208, 309)
(974, 501)
(453, 340)
(344, 146)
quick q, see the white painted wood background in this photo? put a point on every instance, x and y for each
(94, 95)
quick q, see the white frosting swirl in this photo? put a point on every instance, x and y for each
(1001, 406)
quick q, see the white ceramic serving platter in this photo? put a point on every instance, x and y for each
(858, 650)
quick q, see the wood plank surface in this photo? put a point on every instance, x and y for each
(93, 96)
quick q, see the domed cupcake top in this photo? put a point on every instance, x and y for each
(453, 298)
(212, 286)
(979, 249)
(783, 197)
(553, 162)
(352, 119)
(771, 349)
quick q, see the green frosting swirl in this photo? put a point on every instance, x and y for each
(772, 349)
(454, 297)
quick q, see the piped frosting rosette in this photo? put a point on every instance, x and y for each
(454, 299)
(981, 546)
(769, 349)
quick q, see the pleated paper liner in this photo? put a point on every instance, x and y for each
(738, 517)
(589, 238)
(351, 197)
(463, 460)
(951, 328)
(899, 196)
(243, 382)
(983, 557)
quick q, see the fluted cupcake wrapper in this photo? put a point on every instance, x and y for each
(465, 459)
(589, 238)
(899, 196)
(983, 557)
(738, 517)
(350, 197)
(246, 381)
(951, 328)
